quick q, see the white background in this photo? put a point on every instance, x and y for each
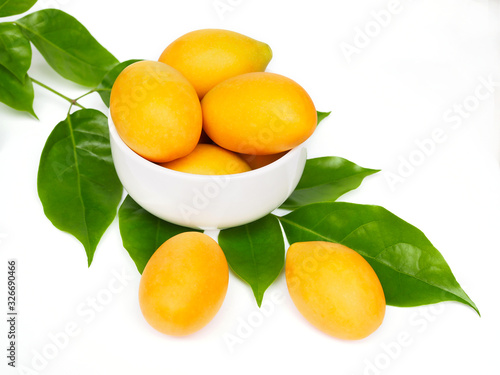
(391, 94)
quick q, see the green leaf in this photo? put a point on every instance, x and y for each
(143, 233)
(410, 268)
(67, 46)
(104, 88)
(322, 116)
(325, 180)
(77, 182)
(255, 252)
(16, 94)
(13, 7)
(15, 50)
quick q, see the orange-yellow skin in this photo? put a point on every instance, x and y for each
(156, 111)
(259, 161)
(259, 114)
(335, 289)
(209, 160)
(184, 284)
(209, 56)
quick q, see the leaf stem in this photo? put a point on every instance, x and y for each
(84, 95)
(72, 101)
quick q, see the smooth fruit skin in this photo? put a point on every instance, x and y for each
(209, 56)
(258, 113)
(335, 289)
(209, 160)
(184, 284)
(156, 111)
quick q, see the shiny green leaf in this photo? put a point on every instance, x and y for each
(67, 46)
(104, 88)
(77, 181)
(143, 233)
(410, 268)
(14, 93)
(322, 115)
(13, 7)
(255, 252)
(325, 180)
(15, 50)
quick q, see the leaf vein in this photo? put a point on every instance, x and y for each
(254, 261)
(78, 177)
(364, 173)
(64, 52)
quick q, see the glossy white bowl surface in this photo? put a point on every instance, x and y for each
(206, 202)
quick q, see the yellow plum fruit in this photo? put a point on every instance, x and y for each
(209, 159)
(209, 56)
(335, 289)
(156, 111)
(184, 284)
(258, 114)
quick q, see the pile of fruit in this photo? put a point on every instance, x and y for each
(208, 107)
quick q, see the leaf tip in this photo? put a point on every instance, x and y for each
(259, 296)
(89, 250)
(259, 301)
(140, 267)
(321, 116)
(473, 305)
(90, 257)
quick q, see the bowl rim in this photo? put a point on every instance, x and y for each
(198, 177)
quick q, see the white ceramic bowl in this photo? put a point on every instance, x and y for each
(206, 202)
